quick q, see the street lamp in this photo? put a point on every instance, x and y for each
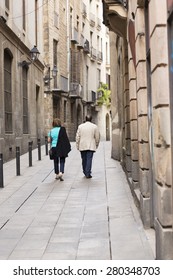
(54, 71)
(34, 54)
(47, 77)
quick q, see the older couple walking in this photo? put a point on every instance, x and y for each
(87, 141)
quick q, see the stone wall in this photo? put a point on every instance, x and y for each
(145, 121)
(161, 127)
(9, 141)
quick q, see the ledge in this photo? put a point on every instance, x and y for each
(115, 17)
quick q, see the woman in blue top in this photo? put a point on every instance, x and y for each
(60, 144)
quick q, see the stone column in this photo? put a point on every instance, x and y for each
(114, 98)
(133, 105)
(161, 124)
(145, 181)
(126, 112)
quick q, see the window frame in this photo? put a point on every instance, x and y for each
(8, 110)
(25, 99)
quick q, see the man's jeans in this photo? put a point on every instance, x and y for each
(87, 157)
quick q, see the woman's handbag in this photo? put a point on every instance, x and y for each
(51, 154)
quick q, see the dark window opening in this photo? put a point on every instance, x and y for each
(25, 99)
(8, 91)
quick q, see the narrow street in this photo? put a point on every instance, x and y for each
(77, 219)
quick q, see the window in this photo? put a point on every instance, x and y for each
(97, 10)
(98, 43)
(71, 22)
(55, 52)
(98, 77)
(24, 18)
(56, 107)
(55, 59)
(56, 13)
(77, 22)
(72, 112)
(108, 80)
(65, 110)
(86, 81)
(83, 27)
(7, 4)
(91, 38)
(75, 66)
(25, 99)
(36, 22)
(8, 90)
(107, 54)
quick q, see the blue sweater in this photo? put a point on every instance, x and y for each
(54, 133)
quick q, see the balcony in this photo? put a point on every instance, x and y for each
(74, 36)
(99, 56)
(92, 20)
(93, 54)
(86, 47)
(76, 90)
(62, 85)
(84, 11)
(98, 24)
(81, 42)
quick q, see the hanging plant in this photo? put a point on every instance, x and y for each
(105, 98)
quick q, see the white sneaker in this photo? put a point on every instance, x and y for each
(60, 176)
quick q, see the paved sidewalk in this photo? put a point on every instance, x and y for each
(79, 218)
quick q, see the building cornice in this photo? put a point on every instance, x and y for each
(115, 16)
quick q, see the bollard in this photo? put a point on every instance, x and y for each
(30, 153)
(39, 149)
(1, 172)
(17, 161)
(46, 145)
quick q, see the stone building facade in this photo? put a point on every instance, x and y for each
(21, 86)
(141, 83)
(74, 41)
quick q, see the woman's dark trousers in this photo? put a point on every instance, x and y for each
(59, 164)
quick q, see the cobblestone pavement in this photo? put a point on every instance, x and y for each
(77, 219)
